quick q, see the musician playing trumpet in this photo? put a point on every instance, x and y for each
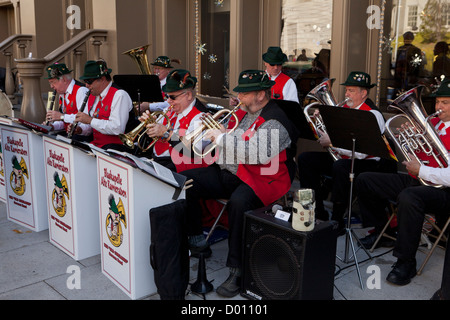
(185, 113)
(255, 168)
(314, 165)
(414, 199)
(71, 96)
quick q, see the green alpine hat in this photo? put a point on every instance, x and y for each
(444, 89)
(112, 205)
(253, 80)
(179, 79)
(358, 79)
(15, 163)
(275, 55)
(57, 180)
(162, 61)
(95, 70)
(57, 70)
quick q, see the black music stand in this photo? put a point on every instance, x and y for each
(295, 113)
(358, 131)
(140, 87)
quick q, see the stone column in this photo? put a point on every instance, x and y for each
(30, 72)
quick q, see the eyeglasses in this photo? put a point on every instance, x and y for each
(89, 81)
(171, 97)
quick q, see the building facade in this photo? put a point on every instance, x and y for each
(217, 39)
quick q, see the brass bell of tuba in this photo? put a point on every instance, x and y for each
(139, 55)
(413, 132)
(128, 139)
(323, 95)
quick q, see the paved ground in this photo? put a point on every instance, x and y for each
(31, 268)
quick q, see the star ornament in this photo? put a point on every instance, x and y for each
(201, 48)
(213, 58)
(416, 60)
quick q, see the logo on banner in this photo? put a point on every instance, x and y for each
(114, 221)
(59, 194)
(17, 179)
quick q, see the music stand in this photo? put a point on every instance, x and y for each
(358, 131)
(140, 87)
(294, 112)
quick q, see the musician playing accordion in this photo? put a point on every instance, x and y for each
(416, 194)
(314, 166)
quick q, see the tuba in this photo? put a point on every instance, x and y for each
(413, 131)
(210, 122)
(323, 96)
(139, 132)
(139, 55)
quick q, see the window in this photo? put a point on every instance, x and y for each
(306, 40)
(213, 46)
(412, 16)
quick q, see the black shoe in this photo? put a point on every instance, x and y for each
(206, 250)
(369, 241)
(232, 285)
(403, 272)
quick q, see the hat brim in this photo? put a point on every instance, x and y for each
(370, 86)
(253, 87)
(96, 76)
(276, 62)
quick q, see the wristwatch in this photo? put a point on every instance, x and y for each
(166, 134)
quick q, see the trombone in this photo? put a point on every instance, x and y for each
(210, 122)
(128, 139)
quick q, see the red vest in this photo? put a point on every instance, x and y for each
(445, 139)
(271, 181)
(182, 162)
(102, 112)
(277, 89)
(70, 107)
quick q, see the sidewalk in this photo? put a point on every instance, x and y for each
(31, 268)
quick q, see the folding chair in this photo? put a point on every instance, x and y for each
(224, 202)
(441, 234)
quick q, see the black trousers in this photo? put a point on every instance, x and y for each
(213, 183)
(414, 200)
(314, 165)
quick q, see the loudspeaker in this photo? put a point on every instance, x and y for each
(280, 263)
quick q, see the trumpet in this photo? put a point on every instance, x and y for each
(323, 96)
(210, 122)
(416, 134)
(139, 132)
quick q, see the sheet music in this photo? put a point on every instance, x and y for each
(151, 167)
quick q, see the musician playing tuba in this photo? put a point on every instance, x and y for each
(185, 113)
(71, 95)
(413, 198)
(161, 67)
(313, 166)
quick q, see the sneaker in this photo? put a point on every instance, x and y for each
(232, 285)
(402, 273)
